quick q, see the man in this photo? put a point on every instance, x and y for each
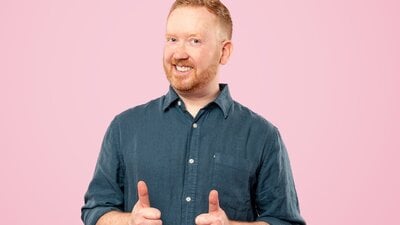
(193, 156)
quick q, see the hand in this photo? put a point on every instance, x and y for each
(215, 215)
(142, 213)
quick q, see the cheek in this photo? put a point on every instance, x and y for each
(167, 54)
(207, 58)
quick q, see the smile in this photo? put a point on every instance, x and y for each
(183, 68)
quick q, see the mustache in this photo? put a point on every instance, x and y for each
(182, 62)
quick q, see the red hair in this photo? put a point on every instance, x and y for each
(213, 6)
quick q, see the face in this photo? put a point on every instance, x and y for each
(193, 49)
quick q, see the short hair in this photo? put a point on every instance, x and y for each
(213, 6)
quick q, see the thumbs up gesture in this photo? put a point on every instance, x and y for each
(215, 215)
(142, 213)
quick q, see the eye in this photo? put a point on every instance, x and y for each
(195, 41)
(171, 39)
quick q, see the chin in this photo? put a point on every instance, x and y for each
(180, 83)
(182, 87)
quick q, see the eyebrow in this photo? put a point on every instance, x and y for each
(186, 35)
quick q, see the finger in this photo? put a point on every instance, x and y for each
(204, 219)
(155, 222)
(143, 194)
(213, 201)
(145, 221)
(151, 213)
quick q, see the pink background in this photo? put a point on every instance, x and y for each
(327, 73)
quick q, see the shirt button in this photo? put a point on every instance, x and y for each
(195, 125)
(191, 161)
(179, 103)
(188, 199)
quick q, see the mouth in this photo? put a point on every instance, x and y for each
(181, 69)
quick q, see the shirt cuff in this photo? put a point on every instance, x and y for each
(93, 215)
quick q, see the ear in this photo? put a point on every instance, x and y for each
(227, 48)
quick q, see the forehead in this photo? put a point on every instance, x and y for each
(191, 20)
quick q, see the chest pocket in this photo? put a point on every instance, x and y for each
(231, 178)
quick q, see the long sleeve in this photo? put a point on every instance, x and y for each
(105, 192)
(276, 197)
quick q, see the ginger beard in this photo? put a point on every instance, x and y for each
(194, 80)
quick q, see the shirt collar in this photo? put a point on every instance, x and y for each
(170, 98)
(224, 100)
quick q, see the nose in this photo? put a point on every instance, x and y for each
(180, 52)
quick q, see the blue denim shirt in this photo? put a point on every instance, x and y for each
(226, 147)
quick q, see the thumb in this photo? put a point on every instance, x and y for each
(143, 194)
(213, 202)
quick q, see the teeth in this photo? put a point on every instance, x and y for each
(183, 68)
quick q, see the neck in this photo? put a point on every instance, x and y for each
(194, 101)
